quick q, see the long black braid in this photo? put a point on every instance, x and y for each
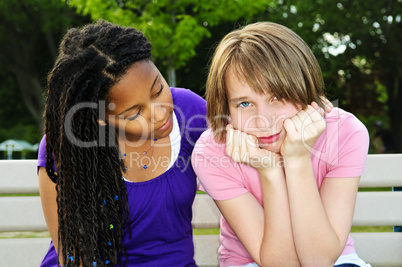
(91, 196)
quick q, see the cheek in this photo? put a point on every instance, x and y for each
(284, 114)
(138, 127)
(167, 95)
(238, 119)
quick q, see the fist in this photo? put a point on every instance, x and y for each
(303, 131)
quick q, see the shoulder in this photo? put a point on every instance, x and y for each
(219, 175)
(208, 150)
(345, 119)
(343, 145)
(346, 125)
(210, 154)
(42, 152)
(207, 144)
(186, 98)
(190, 110)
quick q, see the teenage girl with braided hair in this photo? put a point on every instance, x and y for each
(114, 174)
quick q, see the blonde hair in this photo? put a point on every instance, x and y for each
(270, 58)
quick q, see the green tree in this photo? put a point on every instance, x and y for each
(368, 35)
(174, 27)
(29, 34)
(358, 44)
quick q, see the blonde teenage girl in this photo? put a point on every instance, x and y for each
(284, 177)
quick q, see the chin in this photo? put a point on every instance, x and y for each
(275, 148)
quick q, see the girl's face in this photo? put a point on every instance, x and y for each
(261, 115)
(141, 104)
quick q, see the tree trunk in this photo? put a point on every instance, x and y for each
(172, 77)
(395, 110)
(31, 92)
(171, 69)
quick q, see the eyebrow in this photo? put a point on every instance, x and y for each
(136, 105)
(239, 99)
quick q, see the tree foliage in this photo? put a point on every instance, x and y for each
(360, 45)
(357, 43)
(29, 34)
(174, 27)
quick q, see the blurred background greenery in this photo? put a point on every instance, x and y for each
(357, 43)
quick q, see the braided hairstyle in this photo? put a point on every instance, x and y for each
(83, 161)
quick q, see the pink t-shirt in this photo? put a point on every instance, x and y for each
(341, 151)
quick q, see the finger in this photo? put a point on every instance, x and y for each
(289, 126)
(299, 119)
(319, 109)
(316, 114)
(255, 150)
(314, 105)
(253, 141)
(243, 151)
(315, 124)
(253, 147)
(327, 104)
(236, 145)
(229, 140)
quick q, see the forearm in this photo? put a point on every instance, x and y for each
(277, 248)
(316, 241)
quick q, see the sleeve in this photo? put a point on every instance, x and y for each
(192, 108)
(351, 148)
(219, 176)
(42, 152)
(42, 155)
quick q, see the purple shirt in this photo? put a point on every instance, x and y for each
(161, 208)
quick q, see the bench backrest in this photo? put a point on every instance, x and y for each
(373, 208)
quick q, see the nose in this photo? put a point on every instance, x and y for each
(263, 119)
(159, 112)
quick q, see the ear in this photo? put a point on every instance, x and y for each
(102, 122)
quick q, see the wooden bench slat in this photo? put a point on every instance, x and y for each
(23, 252)
(382, 170)
(378, 209)
(206, 250)
(21, 214)
(25, 213)
(379, 249)
(18, 177)
(205, 212)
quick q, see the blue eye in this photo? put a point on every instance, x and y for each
(244, 104)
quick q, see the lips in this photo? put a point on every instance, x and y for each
(166, 125)
(269, 139)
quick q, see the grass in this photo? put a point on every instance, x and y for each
(363, 229)
(6, 235)
(373, 189)
(212, 231)
(355, 229)
(19, 195)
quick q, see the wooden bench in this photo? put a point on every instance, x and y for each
(373, 208)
